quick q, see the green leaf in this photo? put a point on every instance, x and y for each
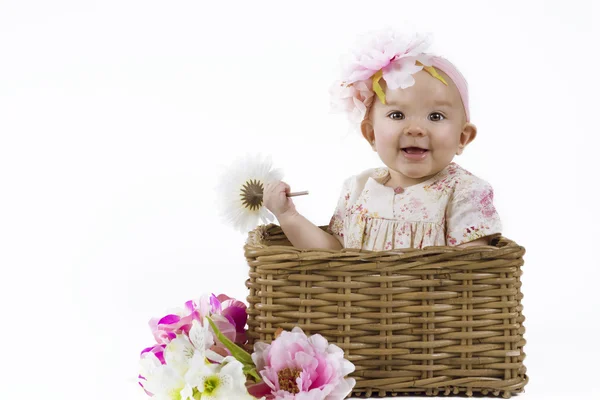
(251, 371)
(240, 354)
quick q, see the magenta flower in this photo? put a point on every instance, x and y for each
(205, 306)
(227, 313)
(166, 328)
(235, 312)
(297, 367)
(158, 350)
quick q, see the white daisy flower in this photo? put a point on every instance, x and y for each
(240, 192)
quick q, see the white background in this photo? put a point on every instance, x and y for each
(116, 115)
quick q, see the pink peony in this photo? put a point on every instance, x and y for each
(297, 367)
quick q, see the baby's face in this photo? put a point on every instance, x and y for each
(428, 115)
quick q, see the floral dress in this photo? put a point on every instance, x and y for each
(451, 208)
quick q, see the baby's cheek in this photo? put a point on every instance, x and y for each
(388, 136)
(446, 143)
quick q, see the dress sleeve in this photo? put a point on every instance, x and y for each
(471, 214)
(336, 224)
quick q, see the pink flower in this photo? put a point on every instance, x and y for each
(226, 328)
(352, 99)
(205, 306)
(235, 312)
(227, 313)
(394, 54)
(158, 350)
(166, 328)
(297, 367)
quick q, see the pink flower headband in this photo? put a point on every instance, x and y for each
(395, 58)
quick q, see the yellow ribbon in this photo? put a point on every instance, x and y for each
(377, 87)
(433, 73)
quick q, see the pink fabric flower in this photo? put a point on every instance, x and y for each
(297, 367)
(395, 55)
(352, 99)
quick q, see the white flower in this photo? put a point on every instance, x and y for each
(188, 375)
(165, 382)
(200, 335)
(240, 192)
(216, 382)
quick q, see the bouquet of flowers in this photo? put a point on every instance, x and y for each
(199, 356)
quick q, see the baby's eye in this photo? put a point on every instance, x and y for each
(396, 115)
(436, 117)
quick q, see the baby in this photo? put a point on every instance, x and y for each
(413, 111)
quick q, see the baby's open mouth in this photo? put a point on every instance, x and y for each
(414, 150)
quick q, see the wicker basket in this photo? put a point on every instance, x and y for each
(441, 320)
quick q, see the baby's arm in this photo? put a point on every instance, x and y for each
(302, 233)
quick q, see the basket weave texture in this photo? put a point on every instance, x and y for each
(439, 320)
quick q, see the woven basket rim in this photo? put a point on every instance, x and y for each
(256, 238)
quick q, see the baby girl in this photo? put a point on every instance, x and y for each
(412, 108)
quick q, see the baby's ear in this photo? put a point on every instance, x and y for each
(467, 135)
(366, 127)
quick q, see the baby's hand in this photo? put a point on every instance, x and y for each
(275, 199)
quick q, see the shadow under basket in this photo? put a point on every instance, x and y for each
(434, 321)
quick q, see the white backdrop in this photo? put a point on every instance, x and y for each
(115, 117)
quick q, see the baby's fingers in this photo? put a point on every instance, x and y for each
(270, 187)
(276, 187)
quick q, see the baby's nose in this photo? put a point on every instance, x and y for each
(414, 129)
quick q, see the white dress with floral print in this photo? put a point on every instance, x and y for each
(451, 208)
